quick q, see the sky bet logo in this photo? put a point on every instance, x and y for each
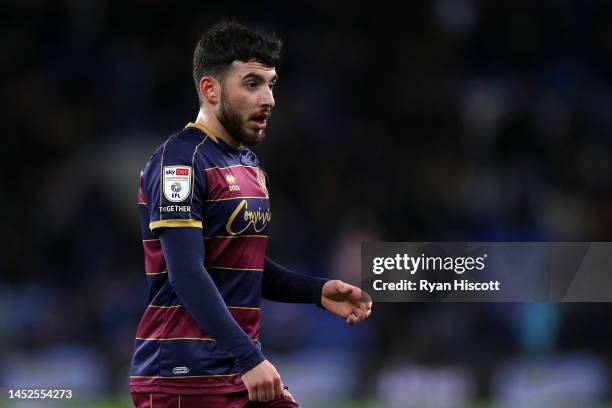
(178, 172)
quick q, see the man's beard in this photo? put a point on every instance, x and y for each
(232, 122)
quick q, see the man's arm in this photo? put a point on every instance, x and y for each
(184, 254)
(282, 285)
(337, 297)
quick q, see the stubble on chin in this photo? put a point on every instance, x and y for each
(237, 127)
(259, 137)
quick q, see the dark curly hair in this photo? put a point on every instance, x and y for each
(231, 41)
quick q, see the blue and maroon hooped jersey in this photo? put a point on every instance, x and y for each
(196, 180)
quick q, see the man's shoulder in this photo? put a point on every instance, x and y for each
(184, 141)
(180, 146)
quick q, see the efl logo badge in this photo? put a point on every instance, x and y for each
(177, 182)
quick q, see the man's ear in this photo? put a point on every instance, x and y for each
(210, 89)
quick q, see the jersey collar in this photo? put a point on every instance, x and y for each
(203, 129)
(216, 139)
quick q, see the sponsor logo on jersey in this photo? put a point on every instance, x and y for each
(180, 370)
(242, 218)
(177, 182)
(261, 180)
(231, 180)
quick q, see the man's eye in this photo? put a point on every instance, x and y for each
(251, 85)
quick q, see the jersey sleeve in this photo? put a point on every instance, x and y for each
(175, 185)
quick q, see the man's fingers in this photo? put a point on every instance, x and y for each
(359, 313)
(365, 298)
(344, 288)
(263, 382)
(270, 393)
(273, 389)
(278, 388)
(261, 392)
(357, 316)
(360, 296)
(353, 319)
(355, 292)
(252, 393)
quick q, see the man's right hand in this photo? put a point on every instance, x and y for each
(263, 382)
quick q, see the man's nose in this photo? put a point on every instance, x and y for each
(267, 99)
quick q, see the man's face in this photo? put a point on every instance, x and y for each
(246, 100)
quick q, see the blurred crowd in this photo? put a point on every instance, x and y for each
(448, 120)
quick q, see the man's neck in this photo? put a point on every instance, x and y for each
(211, 122)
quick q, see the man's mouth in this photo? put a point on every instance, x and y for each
(260, 121)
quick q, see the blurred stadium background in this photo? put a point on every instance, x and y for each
(443, 120)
